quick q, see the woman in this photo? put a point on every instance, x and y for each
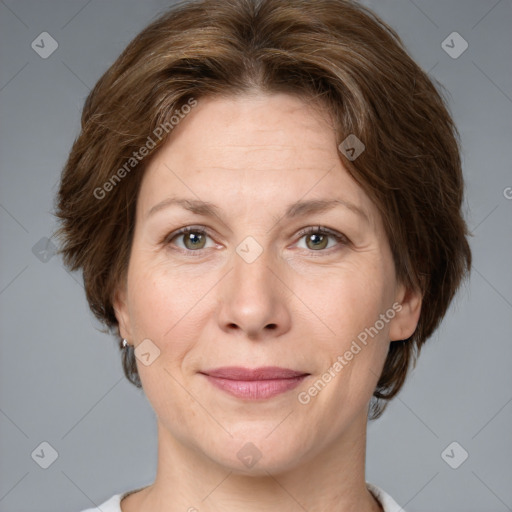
(265, 201)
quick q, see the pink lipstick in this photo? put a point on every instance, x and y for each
(254, 383)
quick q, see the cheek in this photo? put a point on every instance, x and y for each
(159, 310)
(161, 298)
(348, 300)
(162, 312)
(351, 303)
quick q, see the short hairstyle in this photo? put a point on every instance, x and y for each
(336, 54)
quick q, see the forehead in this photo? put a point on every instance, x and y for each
(261, 150)
(256, 127)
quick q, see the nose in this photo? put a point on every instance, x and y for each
(253, 298)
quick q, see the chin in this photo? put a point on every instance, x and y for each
(258, 454)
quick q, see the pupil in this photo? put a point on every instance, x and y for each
(317, 240)
(194, 238)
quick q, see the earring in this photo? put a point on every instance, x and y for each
(125, 343)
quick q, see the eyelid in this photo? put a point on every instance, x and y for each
(323, 231)
(340, 237)
(167, 239)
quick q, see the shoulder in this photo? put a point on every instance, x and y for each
(387, 502)
(111, 505)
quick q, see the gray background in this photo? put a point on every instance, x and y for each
(61, 379)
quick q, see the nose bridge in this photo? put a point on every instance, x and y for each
(254, 268)
(252, 299)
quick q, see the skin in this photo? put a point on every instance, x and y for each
(298, 305)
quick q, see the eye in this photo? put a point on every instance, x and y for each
(193, 238)
(317, 238)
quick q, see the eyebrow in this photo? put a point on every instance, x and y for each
(297, 209)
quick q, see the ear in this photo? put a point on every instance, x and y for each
(122, 313)
(408, 308)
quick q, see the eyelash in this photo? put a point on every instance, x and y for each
(312, 230)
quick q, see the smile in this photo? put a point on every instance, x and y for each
(254, 384)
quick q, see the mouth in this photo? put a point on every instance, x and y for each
(254, 383)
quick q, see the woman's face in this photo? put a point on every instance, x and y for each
(246, 290)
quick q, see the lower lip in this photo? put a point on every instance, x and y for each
(255, 389)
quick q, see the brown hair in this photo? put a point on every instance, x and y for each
(334, 52)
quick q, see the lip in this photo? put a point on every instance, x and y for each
(254, 383)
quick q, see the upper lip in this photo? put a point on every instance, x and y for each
(247, 374)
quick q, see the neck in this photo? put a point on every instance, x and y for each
(187, 480)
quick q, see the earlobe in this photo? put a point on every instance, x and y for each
(407, 316)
